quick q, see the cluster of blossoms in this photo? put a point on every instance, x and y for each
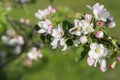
(33, 54)
(79, 33)
(14, 40)
(42, 14)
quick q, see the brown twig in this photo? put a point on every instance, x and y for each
(11, 21)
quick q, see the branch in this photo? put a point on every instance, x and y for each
(15, 27)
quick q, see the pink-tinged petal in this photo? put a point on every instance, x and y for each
(28, 62)
(17, 49)
(83, 39)
(111, 24)
(90, 61)
(111, 18)
(112, 66)
(118, 58)
(88, 17)
(103, 69)
(20, 40)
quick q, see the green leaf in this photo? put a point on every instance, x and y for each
(80, 50)
(114, 54)
(89, 40)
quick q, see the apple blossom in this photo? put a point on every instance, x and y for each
(96, 54)
(45, 26)
(58, 39)
(42, 14)
(34, 54)
(100, 12)
(99, 34)
(77, 29)
(87, 27)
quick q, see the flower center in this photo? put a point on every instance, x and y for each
(59, 33)
(79, 28)
(97, 50)
(88, 29)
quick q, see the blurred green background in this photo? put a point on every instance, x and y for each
(58, 65)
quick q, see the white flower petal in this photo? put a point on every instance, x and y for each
(91, 53)
(93, 46)
(54, 43)
(41, 31)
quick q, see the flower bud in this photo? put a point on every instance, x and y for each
(83, 39)
(111, 24)
(99, 34)
(112, 66)
(100, 23)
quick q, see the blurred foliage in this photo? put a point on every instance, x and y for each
(55, 65)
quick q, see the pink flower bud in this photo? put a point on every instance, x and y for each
(51, 9)
(118, 58)
(103, 69)
(99, 34)
(111, 24)
(100, 23)
(88, 17)
(90, 61)
(112, 66)
(83, 39)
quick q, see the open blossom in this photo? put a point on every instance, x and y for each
(87, 27)
(34, 54)
(42, 14)
(45, 26)
(77, 29)
(100, 12)
(13, 41)
(99, 34)
(58, 39)
(97, 54)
